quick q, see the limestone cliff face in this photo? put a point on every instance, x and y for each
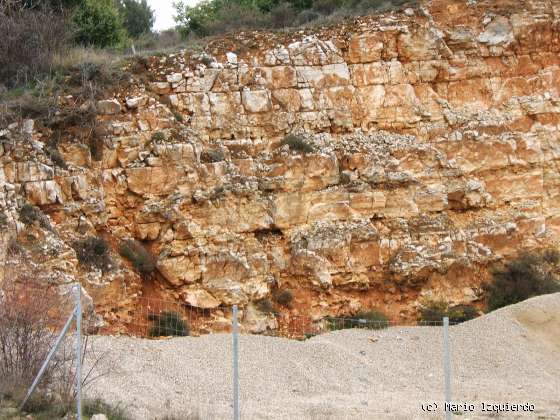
(435, 151)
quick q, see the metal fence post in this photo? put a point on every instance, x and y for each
(235, 364)
(447, 368)
(78, 291)
(48, 359)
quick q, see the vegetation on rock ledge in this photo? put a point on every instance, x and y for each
(527, 276)
(93, 252)
(140, 258)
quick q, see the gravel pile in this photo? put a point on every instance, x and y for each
(509, 356)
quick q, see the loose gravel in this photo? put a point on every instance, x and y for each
(509, 356)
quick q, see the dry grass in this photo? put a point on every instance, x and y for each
(30, 317)
(75, 56)
(28, 41)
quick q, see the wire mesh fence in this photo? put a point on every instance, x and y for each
(261, 338)
(339, 367)
(154, 317)
(287, 364)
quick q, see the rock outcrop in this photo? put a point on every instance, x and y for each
(424, 148)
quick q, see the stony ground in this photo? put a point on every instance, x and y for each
(510, 355)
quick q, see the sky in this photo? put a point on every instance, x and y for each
(164, 12)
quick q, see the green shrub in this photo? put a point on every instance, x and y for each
(433, 312)
(138, 256)
(138, 17)
(212, 156)
(93, 252)
(168, 324)
(194, 19)
(306, 16)
(282, 15)
(158, 136)
(265, 306)
(29, 214)
(462, 313)
(527, 276)
(207, 60)
(372, 320)
(296, 143)
(98, 23)
(179, 117)
(210, 17)
(284, 297)
(326, 7)
(57, 158)
(3, 219)
(217, 193)
(551, 256)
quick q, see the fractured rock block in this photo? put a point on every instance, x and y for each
(109, 107)
(43, 192)
(256, 101)
(199, 298)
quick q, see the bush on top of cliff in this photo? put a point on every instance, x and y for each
(138, 17)
(38, 36)
(139, 256)
(30, 38)
(211, 17)
(527, 276)
(110, 23)
(99, 23)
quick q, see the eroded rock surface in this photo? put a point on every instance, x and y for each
(435, 152)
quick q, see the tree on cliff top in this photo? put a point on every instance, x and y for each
(98, 23)
(138, 17)
(211, 17)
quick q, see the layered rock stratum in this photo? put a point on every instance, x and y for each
(429, 150)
